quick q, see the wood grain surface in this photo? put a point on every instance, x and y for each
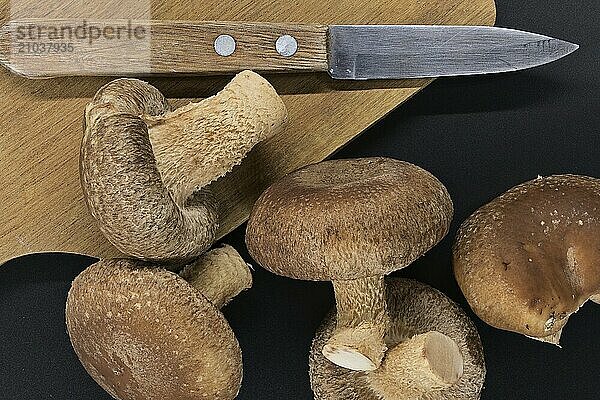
(41, 205)
(117, 47)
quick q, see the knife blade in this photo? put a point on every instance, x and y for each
(41, 48)
(417, 51)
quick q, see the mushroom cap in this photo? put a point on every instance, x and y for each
(531, 257)
(146, 334)
(348, 219)
(145, 169)
(123, 187)
(414, 308)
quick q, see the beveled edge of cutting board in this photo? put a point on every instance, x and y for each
(109, 251)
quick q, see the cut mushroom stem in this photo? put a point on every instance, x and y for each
(200, 142)
(358, 341)
(144, 168)
(422, 364)
(434, 352)
(220, 275)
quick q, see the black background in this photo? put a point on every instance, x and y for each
(478, 135)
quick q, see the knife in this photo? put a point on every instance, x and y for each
(40, 48)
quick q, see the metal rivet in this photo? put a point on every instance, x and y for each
(286, 45)
(225, 45)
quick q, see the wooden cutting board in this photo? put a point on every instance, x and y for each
(41, 205)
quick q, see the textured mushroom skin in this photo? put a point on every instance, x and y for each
(414, 308)
(219, 274)
(122, 185)
(228, 125)
(146, 334)
(530, 258)
(426, 362)
(142, 166)
(362, 321)
(348, 219)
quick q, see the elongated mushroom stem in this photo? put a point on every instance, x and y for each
(5, 43)
(200, 142)
(427, 362)
(595, 298)
(144, 168)
(362, 321)
(220, 275)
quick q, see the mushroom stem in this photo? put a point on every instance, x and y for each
(362, 320)
(220, 275)
(424, 363)
(595, 298)
(144, 168)
(200, 142)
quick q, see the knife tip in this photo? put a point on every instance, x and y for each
(562, 48)
(570, 48)
(574, 47)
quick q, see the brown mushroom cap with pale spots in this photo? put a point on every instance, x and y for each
(351, 222)
(530, 258)
(416, 310)
(146, 334)
(348, 219)
(144, 168)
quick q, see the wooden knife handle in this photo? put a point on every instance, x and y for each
(38, 48)
(193, 47)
